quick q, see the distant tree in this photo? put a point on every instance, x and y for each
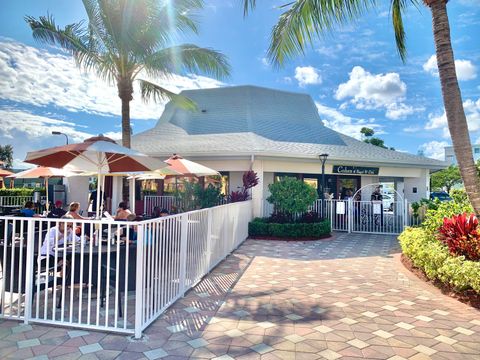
(6, 155)
(446, 178)
(367, 134)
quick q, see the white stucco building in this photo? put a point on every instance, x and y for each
(452, 160)
(278, 133)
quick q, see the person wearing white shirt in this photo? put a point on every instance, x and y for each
(56, 237)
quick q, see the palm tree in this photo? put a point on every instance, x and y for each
(125, 40)
(305, 19)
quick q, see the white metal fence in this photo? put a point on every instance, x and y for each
(168, 202)
(17, 201)
(113, 276)
(363, 216)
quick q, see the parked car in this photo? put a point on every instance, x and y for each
(440, 195)
(388, 200)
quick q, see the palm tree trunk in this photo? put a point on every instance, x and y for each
(452, 99)
(125, 93)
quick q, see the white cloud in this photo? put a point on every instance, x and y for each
(376, 91)
(472, 112)
(115, 135)
(26, 131)
(434, 149)
(37, 77)
(466, 70)
(307, 75)
(397, 111)
(330, 51)
(412, 129)
(347, 125)
(32, 126)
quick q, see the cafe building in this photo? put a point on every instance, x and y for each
(279, 134)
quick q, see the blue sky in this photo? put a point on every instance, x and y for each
(354, 75)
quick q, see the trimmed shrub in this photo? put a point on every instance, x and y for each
(433, 257)
(462, 236)
(20, 191)
(291, 196)
(262, 227)
(434, 218)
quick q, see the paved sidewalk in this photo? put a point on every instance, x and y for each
(346, 298)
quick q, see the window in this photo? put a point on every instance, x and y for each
(280, 176)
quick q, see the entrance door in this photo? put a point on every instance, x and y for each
(347, 186)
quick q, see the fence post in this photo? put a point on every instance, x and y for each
(209, 237)
(183, 253)
(29, 271)
(406, 219)
(350, 214)
(139, 310)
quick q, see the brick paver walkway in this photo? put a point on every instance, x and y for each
(345, 298)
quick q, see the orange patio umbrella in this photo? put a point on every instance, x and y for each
(42, 172)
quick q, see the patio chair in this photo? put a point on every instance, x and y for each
(45, 278)
(111, 271)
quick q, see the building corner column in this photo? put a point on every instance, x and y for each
(257, 191)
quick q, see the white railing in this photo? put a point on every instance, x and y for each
(115, 276)
(179, 250)
(162, 202)
(362, 216)
(16, 202)
(169, 203)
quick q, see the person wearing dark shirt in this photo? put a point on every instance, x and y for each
(57, 212)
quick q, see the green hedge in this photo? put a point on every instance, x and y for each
(20, 191)
(431, 256)
(261, 227)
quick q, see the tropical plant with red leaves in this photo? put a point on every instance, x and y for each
(250, 180)
(462, 235)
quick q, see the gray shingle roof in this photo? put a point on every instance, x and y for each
(250, 120)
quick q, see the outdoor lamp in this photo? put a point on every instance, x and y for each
(323, 159)
(60, 133)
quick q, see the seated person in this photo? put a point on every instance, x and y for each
(59, 234)
(57, 212)
(157, 212)
(164, 212)
(73, 211)
(122, 211)
(132, 232)
(29, 210)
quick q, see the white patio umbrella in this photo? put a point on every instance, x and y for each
(189, 168)
(100, 155)
(42, 172)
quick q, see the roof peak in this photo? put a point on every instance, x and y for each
(247, 87)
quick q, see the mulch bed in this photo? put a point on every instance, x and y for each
(323, 237)
(469, 297)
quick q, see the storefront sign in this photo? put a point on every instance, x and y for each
(354, 170)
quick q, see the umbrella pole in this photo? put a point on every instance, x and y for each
(97, 208)
(132, 201)
(102, 200)
(46, 193)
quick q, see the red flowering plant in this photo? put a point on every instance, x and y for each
(250, 180)
(462, 236)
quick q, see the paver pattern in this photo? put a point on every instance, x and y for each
(342, 298)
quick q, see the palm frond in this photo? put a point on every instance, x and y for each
(74, 39)
(305, 19)
(248, 5)
(151, 91)
(398, 8)
(187, 58)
